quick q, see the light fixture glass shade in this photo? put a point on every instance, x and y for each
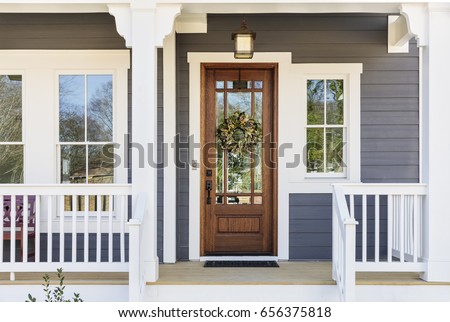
(243, 42)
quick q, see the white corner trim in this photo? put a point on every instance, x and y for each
(398, 35)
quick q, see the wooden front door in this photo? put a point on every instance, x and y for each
(238, 191)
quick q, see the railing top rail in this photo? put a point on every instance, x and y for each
(384, 188)
(65, 189)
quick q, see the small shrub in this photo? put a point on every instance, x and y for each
(57, 295)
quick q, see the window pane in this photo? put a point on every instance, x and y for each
(100, 163)
(10, 108)
(315, 101)
(335, 150)
(71, 108)
(100, 108)
(258, 169)
(240, 101)
(73, 164)
(258, 107)
(239, 200)
(220, 85)
(219, 119)
(335, 101)
(11, 164)
(314, 150)
(239, 174)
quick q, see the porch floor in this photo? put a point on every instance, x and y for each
(289, 273)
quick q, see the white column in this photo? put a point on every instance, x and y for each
(144, 124)
(436, 152)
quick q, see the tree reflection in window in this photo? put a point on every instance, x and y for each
(11, 147)
(325, 126)
(86, 129)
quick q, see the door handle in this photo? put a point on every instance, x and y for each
(208, 188)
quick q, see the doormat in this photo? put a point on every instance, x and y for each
(241, 264)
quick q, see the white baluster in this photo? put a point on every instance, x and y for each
(13, 229)
(74, 228)
(401, 223)
(25, 229)
(389, 227)
(364, 228)
(86, 228)
(99, 231)
(37, 229)
(416, 228)
(61, 228)
(377, 228)
(122, 227)
(49, 229)
(110, 233)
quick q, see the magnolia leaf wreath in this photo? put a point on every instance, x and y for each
(239, 133)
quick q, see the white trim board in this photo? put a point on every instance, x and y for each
(290, 110)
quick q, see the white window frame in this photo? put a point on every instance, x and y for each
(344, 126)
(118, 131)
(351, 74)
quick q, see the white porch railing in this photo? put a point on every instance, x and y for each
(344, 232)
(81, 228)
(389, 237)
(136, 277)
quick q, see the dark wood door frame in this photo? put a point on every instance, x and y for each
(273, 67)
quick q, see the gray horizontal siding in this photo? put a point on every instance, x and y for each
(310, 226)
(389, 104)
(59, 31)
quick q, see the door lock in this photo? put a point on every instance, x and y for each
(208, 188)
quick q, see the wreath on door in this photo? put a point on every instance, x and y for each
(239, 133)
